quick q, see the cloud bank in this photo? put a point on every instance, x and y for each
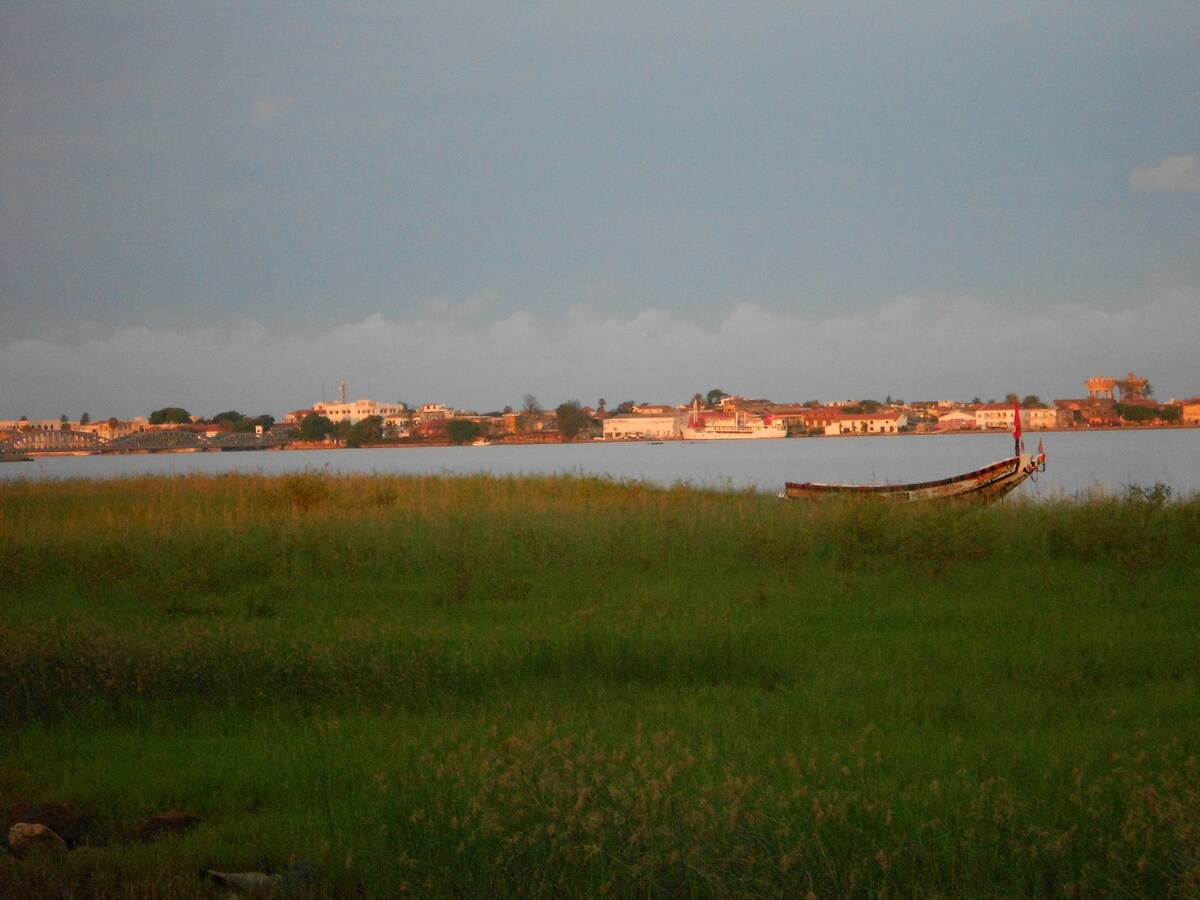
(910, 347)
(1175, 175)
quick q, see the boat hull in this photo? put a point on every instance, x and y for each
(744, 434)
(989, 483)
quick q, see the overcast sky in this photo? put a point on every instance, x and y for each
(237, 205)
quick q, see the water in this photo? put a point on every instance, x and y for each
(1078, 463)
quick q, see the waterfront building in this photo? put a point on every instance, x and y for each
(957, 420)
(643, 427)
(883, 421)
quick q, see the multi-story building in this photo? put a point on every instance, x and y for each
(396, 416)
(642, 427)
(883, 421)
(357, 410)
(1190, 414)
(806, 419)
(1042, 418)
(1001, 415)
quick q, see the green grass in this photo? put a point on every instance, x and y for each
(575, 687)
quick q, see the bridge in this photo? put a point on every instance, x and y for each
(157, 441)
(54, 442)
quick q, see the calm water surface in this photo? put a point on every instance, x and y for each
(1078, 463)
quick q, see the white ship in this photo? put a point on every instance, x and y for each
(708, 426)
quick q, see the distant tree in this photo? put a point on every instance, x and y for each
(460, 431)
(230, 417)
(113, 422)
(170, 415)
(365, 430)
(864, 408)
(64, 424)
(1131, 390)
(85, 419)
(530, 414)
(714, 396)
(1132, 412)
(1011, 398)
(572, 420)
(316, 427)
(625, 407)
(247, 424)
(1033, 401)
(600, 407)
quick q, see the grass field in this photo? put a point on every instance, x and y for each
(574, 687)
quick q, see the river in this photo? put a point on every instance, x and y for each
(1079, 463)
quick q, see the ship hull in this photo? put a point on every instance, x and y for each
(715, 434)
(989, 483)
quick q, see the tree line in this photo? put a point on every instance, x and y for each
(234, 420)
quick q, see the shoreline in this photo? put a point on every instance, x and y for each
(406, 445)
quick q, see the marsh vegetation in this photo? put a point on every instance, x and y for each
(570, 686)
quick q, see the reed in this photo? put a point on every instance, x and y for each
(577, 687)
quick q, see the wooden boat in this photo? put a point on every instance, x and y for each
(989, 483)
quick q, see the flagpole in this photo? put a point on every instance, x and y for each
(1016, 428)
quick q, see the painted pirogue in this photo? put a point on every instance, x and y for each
(989, 483)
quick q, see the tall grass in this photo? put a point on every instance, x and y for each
(570, 686)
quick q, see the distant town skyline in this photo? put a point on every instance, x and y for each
(1110, 386)
(229, 205)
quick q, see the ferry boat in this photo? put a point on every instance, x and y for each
(707, 426)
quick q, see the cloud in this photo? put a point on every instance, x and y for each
(1175, 175)
(914, 347)
(272, 109)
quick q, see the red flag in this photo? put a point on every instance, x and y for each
(1017, 425)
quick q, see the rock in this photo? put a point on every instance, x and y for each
(298, 881)
(27, 838)
(254, 883)
(63, 819)
(170, 822)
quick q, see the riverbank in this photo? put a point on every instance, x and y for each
(476, 686)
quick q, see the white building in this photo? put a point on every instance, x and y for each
(1041, 418)
(396, 416)
(885, 421)
(642, 428)
(956, 420)
(997, 415)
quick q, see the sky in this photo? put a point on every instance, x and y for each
(229, 205)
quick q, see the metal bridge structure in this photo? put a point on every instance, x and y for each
(244, 440)
(157, 441)
(54, 442)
